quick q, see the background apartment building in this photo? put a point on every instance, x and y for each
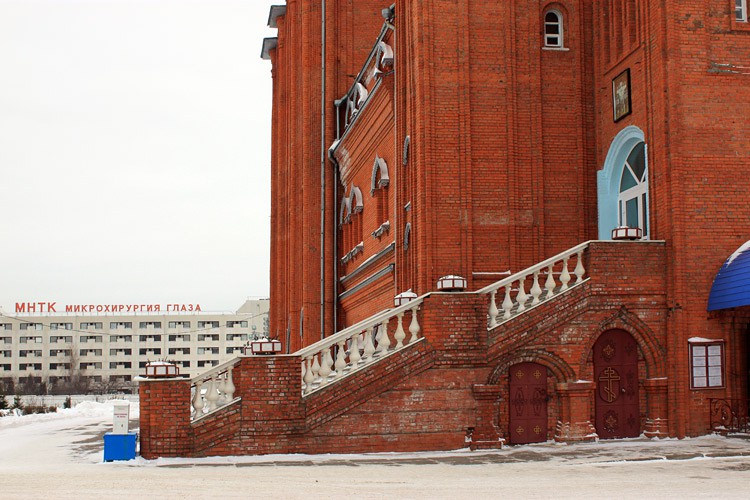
(72, 352)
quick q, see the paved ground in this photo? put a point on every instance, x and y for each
(632, 450)
(62, 459)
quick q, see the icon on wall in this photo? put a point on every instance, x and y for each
(621, 95)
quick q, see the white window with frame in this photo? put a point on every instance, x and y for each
(706, 365)
(553, 29)
(633, 198)
(740, 10)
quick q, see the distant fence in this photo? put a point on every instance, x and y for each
(59, 401)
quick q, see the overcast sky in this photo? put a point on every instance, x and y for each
(134, 151)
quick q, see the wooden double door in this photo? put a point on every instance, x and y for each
(616, 377)
(528, 403)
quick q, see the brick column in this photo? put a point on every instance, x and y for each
(657, 423)
(165, 418)
(486, 431)
(574, 424)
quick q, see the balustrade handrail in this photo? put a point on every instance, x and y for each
(536, 267)
(366, 323)
(216, 370)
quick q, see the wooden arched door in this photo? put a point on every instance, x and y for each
(616, 377)
(528, 403)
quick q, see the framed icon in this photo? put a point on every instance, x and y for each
(621, 95)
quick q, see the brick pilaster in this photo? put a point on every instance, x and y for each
(486, 431)
(574, 424)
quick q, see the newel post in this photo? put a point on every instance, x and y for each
(165, 418)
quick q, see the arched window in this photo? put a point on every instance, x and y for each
(632, 200)
(553, 29)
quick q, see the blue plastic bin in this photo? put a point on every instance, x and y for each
(119, 446)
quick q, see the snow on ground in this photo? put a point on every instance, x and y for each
(60, 456)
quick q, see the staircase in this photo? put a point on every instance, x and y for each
(410, 378)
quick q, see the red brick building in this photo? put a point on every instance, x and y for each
(498, 143)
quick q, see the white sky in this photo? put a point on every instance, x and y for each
(134, 151)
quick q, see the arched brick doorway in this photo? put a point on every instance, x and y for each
(616, 378)
(527, 422)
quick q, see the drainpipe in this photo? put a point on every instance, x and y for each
(322, 169)
(335, 235)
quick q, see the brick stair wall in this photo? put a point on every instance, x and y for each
(444, 388)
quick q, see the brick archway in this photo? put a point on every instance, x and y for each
(559, 368)
(653, 361)
(558, 372)
(653, 353)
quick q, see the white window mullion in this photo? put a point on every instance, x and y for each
(740, 10)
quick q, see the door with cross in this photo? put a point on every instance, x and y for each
(616, 377)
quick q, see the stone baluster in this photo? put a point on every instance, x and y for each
(229, 387)
(493, 312)
(369, 346)
(521, 296)
(579, 270)
(400, 335)
(549, 284)
(384, 343)
(326, 365)
(315, 368)
(414, 326)
(536, 290)
(340, 365)
(354, 355)
(507, 303)
(198, 402)
(221, 388)
(304, 372)
(565, 276)
(212, 394)
(309, 376)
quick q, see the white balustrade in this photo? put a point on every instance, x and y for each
(357, 346)
(212, 390)
(516, 299)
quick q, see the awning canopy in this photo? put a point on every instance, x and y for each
(731, 286)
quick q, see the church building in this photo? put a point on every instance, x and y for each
(495, 223)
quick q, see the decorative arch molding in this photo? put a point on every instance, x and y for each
(345, 211)
(559, 368)
(386, 51)
(653, 353)
(379, 181)
(608, 178)
(355, 200)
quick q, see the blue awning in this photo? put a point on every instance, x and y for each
(731, 286)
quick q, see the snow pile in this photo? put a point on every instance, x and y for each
(84, 409)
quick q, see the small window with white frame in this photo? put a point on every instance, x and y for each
(553, 29)
(740, 10)
(706, 364)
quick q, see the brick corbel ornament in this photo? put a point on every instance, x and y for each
(575, 424)
(486, 433)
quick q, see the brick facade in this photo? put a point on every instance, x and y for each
(501, 152)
